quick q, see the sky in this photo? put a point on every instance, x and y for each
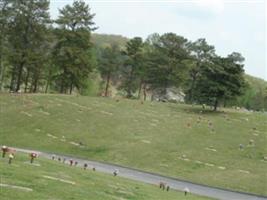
(229, 25)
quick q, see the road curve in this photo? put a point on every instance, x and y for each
(151, 178)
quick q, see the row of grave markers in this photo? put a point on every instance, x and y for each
(11, 154)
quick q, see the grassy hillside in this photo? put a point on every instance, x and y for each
(170, 139)
(46, 179)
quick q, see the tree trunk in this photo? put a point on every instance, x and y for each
(1, 68)
(26, 81)
(129, 93)
(61, 88)
(35, 85)
(12, 81)
(144, 91)
(166, 83)
(2, 77)
(47, 84)
(19, 76)
(215, 105)
(71, 87)
(140, 89)
(191, 91)
(107, 84)
(62, 84)
(48, 80)
(31, 88)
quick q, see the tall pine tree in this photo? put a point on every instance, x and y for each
(131, 65)
(27, 22)
(72, 53)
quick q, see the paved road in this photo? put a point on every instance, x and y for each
(151, 178)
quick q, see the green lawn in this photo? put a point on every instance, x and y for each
(43, 179)
(170, 139)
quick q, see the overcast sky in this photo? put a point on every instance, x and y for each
(229, 25)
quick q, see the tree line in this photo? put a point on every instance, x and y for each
(38, 54)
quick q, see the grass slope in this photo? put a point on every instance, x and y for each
(40, 177)
(170, 139)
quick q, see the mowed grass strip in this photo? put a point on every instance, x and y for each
(47, 179)
(170, 139)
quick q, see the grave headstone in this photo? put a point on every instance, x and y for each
(4, 151)
(116, 172)
(186, 190)
(251, 142)
(167, 188)
(71, 162)
(33, 156)
(162, 185)
(85, 166)
(10, 158)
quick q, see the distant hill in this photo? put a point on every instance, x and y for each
(255, 82)
(103, 40)
(255, 95)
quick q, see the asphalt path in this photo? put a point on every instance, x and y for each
(152, 178)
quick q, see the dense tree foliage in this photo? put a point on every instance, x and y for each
(220, 80)
(41, 55)
(201, 56)
(26, 23)
(72, 53)
(254, 96)
(170, 64)
(108, 64)
(132, 64)
(4, 16)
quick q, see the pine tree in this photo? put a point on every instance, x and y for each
(221, 80)
(168, 62)
(27, 22)
(109, 63)
(201, 55)
(73, 51)
(131, 65)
